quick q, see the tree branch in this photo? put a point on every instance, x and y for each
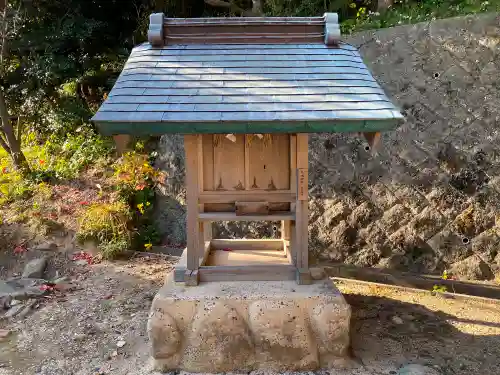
(3, 10)
(4, 144)
(19, 129)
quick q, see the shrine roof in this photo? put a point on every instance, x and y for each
(245, 75)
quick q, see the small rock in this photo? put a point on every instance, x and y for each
(81, 262)
(397, 320)
(15, 302)
(408, 317)
(120, 343)
(415, 369)
(25, 282)
(412, 327)
(366, 313)
(61, 280)
(5, 289)
(35, 268)
(4, 333)
(317, 273)
(5, 302)
(79, 336)
(114, 354)
(33, 292)
(27, 309)
(47, 246)
(13, 311)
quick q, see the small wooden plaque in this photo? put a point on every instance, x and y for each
(302, 191)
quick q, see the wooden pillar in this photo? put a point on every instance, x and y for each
(373, 139)
(302, 211)
(191, 145)
(121, 142)
(286, 236)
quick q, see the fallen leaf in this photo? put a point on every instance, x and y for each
(45, 287)
(82, 255)
(19, 249)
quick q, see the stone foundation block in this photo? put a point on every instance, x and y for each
(245, 326)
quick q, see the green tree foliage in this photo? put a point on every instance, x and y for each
(65, 56)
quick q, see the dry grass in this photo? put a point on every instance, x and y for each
(106, 223)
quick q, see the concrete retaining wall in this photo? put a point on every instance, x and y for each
(430, 198)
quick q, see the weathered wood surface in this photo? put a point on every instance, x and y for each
(236, 244)
(301, 210)
(252, 208)
(286, 238)
(253, 196)
(121, 141)
(247, 273)
(231, 216)
(228, 164)
(269, 163)
(245, 163)
(191, 144)
(250, 29)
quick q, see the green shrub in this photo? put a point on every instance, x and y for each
(107, 224)
(135, 180)
(114, 248)
(75, 153)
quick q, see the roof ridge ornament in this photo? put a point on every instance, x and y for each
(332, 29)
(155, 32)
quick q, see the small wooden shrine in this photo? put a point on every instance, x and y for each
(245, 92)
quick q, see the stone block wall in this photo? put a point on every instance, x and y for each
(429, 198)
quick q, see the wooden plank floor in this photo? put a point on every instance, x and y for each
(246, 257)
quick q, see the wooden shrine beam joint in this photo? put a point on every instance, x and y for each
(373, 139)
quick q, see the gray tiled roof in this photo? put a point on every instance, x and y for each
(245, 83)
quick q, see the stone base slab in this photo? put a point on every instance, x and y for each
(244, 326)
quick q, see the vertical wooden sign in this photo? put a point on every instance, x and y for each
(302, 192)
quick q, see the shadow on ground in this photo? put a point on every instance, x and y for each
(387, 333)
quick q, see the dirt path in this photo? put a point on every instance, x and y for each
(393, 326)
(82, 331)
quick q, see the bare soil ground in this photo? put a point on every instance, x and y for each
(96, 327)
(394, 326)
(99, 326)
